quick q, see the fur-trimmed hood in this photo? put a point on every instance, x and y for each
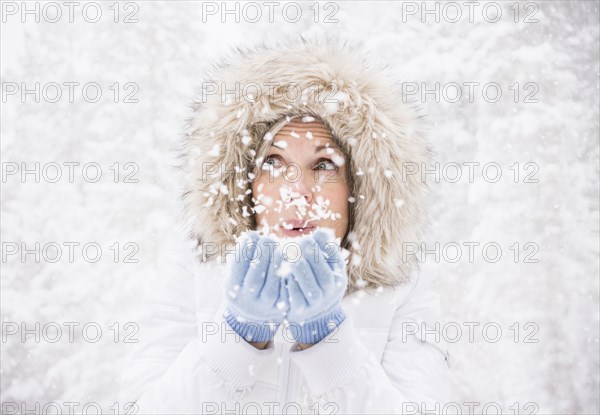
(363, 105)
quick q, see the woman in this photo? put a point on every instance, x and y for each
(304, 143)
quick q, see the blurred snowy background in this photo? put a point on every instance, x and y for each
(164, 52)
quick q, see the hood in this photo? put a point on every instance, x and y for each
(249, 90)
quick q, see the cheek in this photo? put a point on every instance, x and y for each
(337, 194)
(340, 203)
(265, 194)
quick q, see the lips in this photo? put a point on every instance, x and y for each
(298, 227)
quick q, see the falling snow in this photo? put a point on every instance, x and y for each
(559, 54)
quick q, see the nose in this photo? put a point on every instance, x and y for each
(303, 188)
(299, 190)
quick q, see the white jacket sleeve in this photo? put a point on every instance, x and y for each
(344, 377)
(176, 367)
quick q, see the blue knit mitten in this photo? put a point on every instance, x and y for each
(317, 284)
(255, 296)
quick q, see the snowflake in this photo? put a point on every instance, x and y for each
(281, 144)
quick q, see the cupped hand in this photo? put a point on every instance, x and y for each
(316, 285)
(256, 296)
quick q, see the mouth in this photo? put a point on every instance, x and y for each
(297, 228)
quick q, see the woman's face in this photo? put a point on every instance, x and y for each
(302, 183)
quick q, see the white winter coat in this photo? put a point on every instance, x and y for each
(188, 361)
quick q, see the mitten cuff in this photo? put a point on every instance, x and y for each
(314, 331)
(251, 331)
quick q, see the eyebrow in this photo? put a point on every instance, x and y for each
(323, 147)
(317, 148)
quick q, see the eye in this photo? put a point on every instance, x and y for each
(272, 160)
(326, 164)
